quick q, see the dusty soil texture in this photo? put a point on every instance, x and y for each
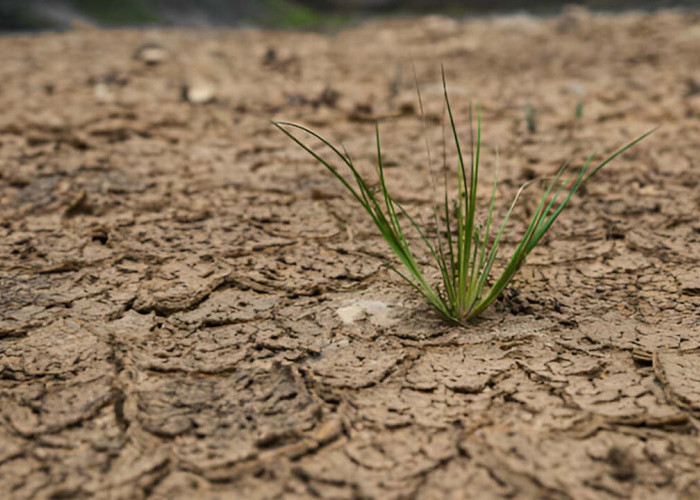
(191, 308)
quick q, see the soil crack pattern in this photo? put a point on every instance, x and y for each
(190, 307)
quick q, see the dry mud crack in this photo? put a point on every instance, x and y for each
(190, 309)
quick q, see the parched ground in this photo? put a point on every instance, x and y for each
(191, 308)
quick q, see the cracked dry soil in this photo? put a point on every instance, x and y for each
(191, 308)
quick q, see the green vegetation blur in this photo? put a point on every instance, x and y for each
(30, 15)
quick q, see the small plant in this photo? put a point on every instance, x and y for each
(463, 251)
(530, 118)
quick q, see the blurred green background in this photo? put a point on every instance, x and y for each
(29, 15)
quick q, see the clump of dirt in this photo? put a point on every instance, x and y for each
(190, 307)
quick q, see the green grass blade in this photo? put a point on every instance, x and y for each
(333, 170)
(385, 192)
(492, 255)
(478, 274)
(463, 239)
(436, 254)
(620, 151)
(550, 220)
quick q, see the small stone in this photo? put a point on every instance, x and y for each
(198, 92)
(151, 54)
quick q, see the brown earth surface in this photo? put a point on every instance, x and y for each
(191, 308)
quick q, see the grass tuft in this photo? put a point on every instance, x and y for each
(463, 251)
